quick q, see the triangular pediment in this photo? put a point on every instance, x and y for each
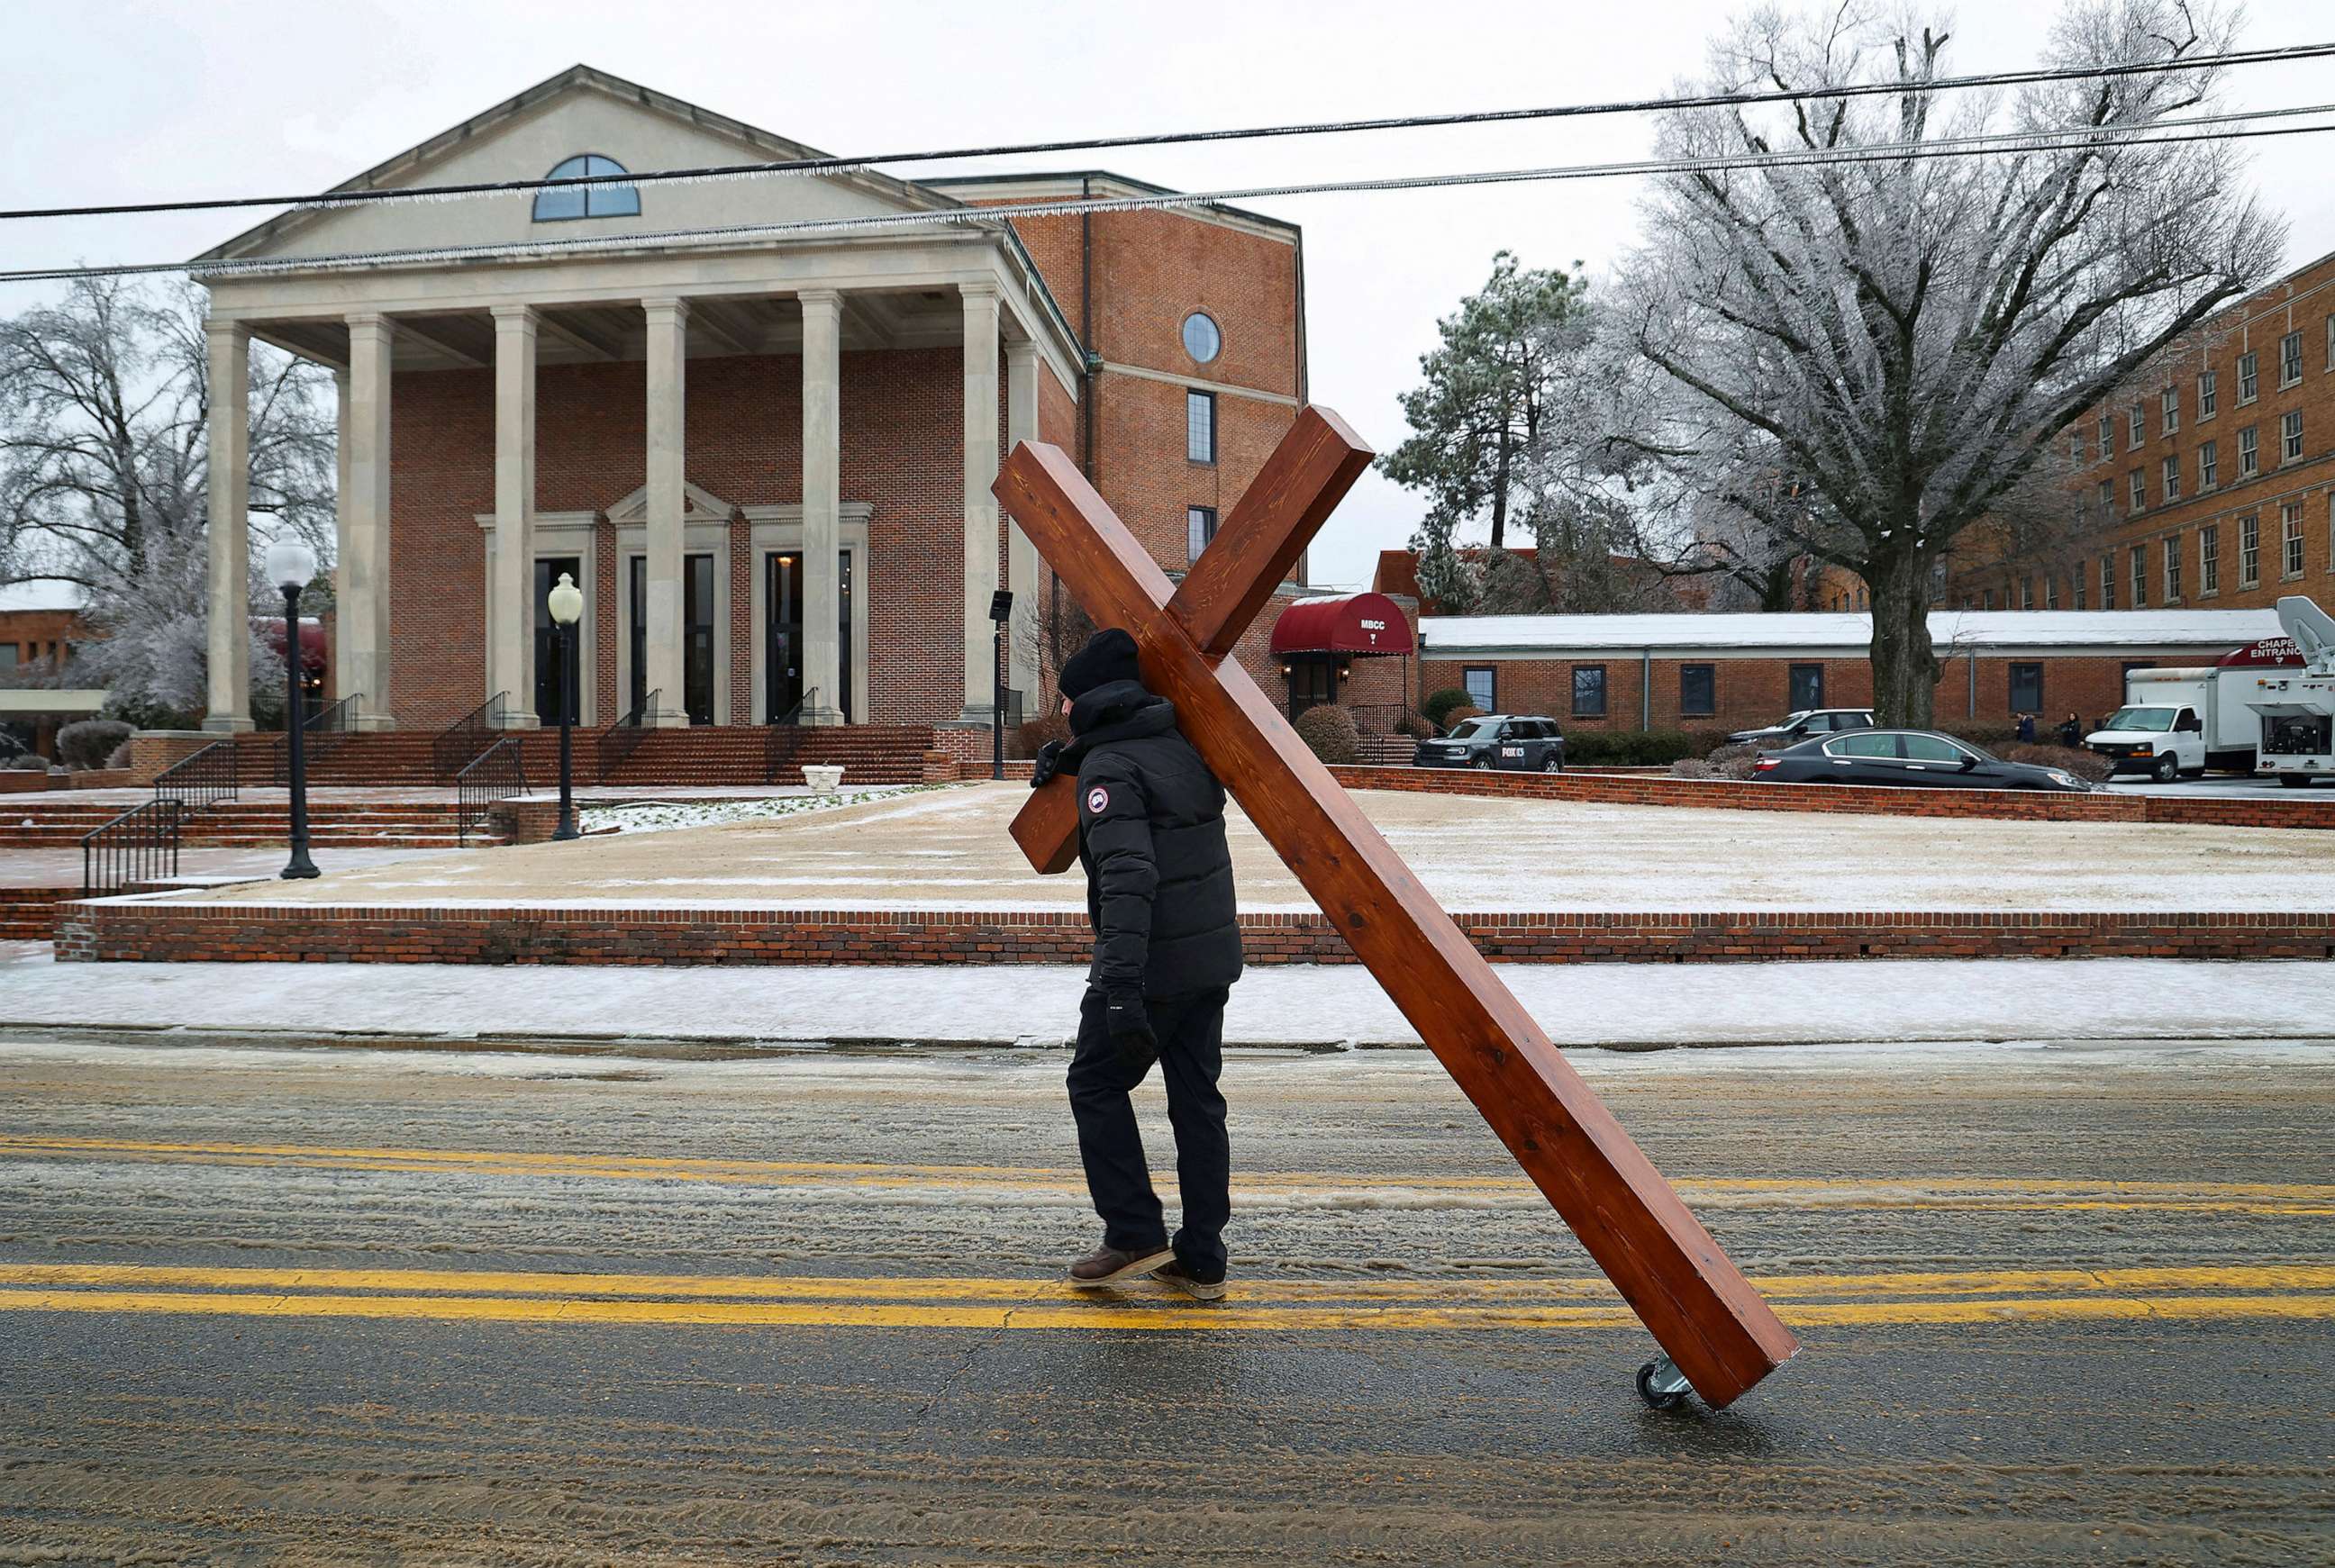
(699, 505)
(580, 110)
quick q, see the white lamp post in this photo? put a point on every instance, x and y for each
(292, 566)
(566, 601)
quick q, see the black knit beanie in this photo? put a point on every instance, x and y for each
(1108, 655)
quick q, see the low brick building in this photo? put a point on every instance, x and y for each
(1736, 671)
(757, 420)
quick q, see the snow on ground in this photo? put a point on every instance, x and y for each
(1624, 1005)
(948, 848)
(663, 815)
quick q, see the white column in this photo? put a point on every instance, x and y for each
(1021, 555)
(980, 505)
(228, 507)
(668, 355)
(345, 678)
(822, 504)
(364, 511)
(512, 658)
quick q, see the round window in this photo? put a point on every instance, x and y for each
(1201, 338)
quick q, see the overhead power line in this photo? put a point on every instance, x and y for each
(827, 165)
(2164, 132)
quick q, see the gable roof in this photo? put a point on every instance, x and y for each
(412, 166)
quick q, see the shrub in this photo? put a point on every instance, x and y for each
(1036, 732)
(89, 741)
(1731, 762)
(1440, 706)
(119, 757)
(1631, 748)
(1328, 731)
(1459, 715)
(1692, 768)
(23, 762)
(2082, 764)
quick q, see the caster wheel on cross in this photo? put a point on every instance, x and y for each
(1661, 1385)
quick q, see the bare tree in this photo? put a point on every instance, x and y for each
(1866, 357)
(104, 400)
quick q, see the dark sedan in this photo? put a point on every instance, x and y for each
(1907, 758)
(1507, 741)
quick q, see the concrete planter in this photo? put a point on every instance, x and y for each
(824, 778)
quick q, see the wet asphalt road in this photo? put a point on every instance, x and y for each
(2064, 1303)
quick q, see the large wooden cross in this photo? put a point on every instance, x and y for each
(1718, 1330)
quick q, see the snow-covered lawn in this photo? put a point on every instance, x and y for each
(1621, 1005)
(663, 815)
(948, 848)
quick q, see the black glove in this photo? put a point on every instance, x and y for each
(1130, 1030)
(1044, 765)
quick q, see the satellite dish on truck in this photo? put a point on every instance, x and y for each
(2313, 629)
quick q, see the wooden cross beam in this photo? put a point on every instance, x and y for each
(1719, 1331)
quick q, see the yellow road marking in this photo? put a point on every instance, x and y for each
(869, 1315)
(1900, 1192)
(2285, 1278)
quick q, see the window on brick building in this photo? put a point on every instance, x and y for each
(1202, 340)
(2290, 539)
(1483, 687)
(2051, 592)
(2290, 359)
(2172, 568)
(2026, 593)
(1805, 685)
(2076, 579)
(2107, 436)
(2249, 453)
(2249, 552)
(2169, 403)
(1589, 690)
(2331, 343)
(2026, 688)
(2208, 466)
(1698, 691)
(1986, 599)
(2208, 395)
(2249, 380)
(1201, 427)
(2107, 499)
(2075, 446)
(2107, 582)
(2136, 426)
(586, 200)
(2289, 436)
(2173, 476)
(2209, 561)
(2140, 576)
(2139, 482)
(1199, 528)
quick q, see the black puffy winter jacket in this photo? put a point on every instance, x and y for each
(1151, 837)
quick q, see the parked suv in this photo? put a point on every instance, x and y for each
(1512, 743)
(1804, 725)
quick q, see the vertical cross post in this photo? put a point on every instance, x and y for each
(1717, 1329)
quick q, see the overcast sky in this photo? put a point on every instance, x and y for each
(112, 101)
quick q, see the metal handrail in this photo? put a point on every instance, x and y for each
(202, 778)
(461, 743)
(622, 737)
(322, 729)
(786, 737)
(141, 845)
(497, 773)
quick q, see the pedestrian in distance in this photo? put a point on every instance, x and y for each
(1166, 950)
(2027, 728)
(2072, 733)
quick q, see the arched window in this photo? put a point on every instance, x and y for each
(586, 200)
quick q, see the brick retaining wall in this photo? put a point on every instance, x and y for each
(114, 930)
(30, 914)
(2314, 808)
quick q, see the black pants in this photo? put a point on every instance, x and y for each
(1191, 1030)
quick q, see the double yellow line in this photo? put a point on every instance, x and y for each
(1965, 1297)
(1264, 1187)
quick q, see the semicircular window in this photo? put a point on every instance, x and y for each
(586, 200)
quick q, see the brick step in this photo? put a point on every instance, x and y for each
(30, 914)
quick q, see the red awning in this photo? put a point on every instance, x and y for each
(1347, 623)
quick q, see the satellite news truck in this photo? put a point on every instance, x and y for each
(2297, 706)
(2183, 722)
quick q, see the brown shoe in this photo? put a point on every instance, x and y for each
(1183, 1279)
(1107, 1265)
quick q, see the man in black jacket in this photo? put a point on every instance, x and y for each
(1159, 893)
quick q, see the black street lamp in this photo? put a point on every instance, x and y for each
(292, 566)
(1001, 611)
(566, 604)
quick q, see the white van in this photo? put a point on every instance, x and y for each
(2184, 721)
